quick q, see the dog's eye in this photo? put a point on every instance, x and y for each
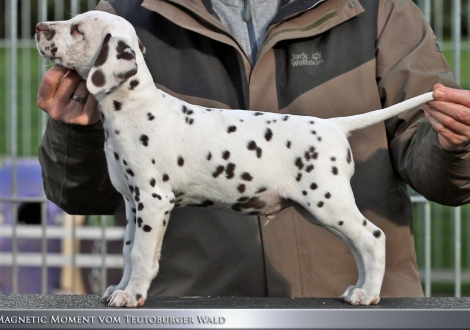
(75, 28)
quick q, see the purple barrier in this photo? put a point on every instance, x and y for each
(29, 184)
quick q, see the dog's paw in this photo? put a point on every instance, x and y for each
(109, 292)
(348, 291)
(358, 296)
(121, 298)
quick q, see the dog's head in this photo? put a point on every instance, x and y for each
(101, 47)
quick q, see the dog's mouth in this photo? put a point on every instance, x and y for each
(56, 60)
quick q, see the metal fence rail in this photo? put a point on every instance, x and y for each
(442, 234)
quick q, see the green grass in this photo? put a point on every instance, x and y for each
(465, 66)
(29, 115)
(447, 290)
(442, 243)
(442, 233)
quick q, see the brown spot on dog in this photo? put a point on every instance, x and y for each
(231, 129)
(268, 135)
(117, 105)
(219, 170)
(309, 168)
(246, 176)
(49, 34)
(133, 84)
(98, 79)
(103, 55)
(230, 171)
(260, 190)
(144, 139)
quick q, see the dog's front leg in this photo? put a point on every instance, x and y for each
(152, 215)
(131, 222)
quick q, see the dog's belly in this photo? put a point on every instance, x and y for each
(262, 204)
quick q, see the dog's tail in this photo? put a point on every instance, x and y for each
(352, 123)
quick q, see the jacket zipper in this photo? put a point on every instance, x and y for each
(215, 26)
(251, 30)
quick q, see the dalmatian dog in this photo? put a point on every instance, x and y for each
(164, 153)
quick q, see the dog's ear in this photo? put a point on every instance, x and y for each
(115, 63)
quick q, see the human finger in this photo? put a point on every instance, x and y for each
(452, 134)
(457, 112)
(453, 95)
(83, 111)
(49, 84)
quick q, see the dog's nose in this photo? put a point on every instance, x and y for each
(40, 27)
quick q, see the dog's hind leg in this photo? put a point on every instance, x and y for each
(151, 221)
(128, 243)
(158, 250)
(339, 214)
(369, 252)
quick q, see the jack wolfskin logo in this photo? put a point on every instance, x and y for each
(304, 59)
(317, 56)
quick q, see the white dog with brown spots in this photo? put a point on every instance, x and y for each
(164, 153)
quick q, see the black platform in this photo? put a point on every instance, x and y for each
(28, 301)
(89, 312)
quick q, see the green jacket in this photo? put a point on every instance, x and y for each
(320, 58)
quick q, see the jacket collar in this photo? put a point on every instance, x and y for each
(295, 18)
(292, 8)
(203, 8)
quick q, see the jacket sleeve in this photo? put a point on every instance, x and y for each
(74, 169)
(407, 67)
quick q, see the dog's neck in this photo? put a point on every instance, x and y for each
(142, 80)
(137, 94)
